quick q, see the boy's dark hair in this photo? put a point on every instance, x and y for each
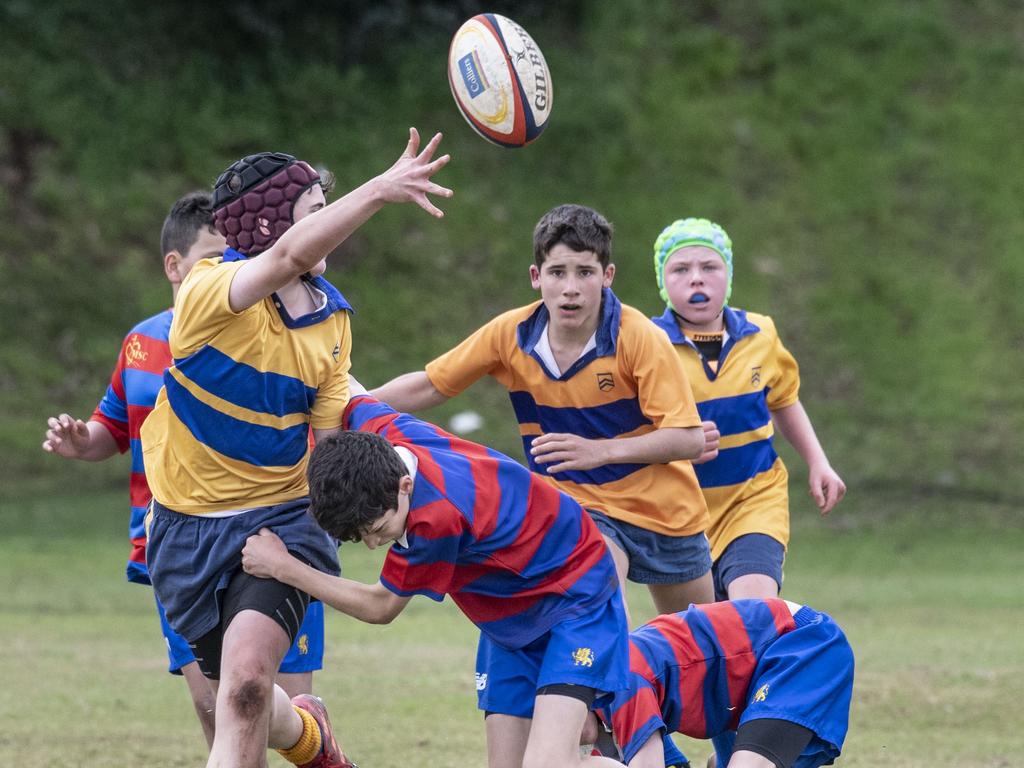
(353, 480)
(579, 227)
(186, 220)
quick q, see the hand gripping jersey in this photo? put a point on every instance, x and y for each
(629, 384)
(130, 396)
(516, 555)
(746, 486)
(707, 670)
(230, 427)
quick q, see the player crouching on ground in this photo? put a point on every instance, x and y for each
(769, 681)
(521, 559)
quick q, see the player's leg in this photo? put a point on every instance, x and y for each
(769, 743)
(182, 661)
(673, 598)
(750, 567)
(306, 654)
(506, 740)
(253, 646)
(555, 734)
(204, 699)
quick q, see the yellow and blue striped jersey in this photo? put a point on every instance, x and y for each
(230, 429)
(746, 486)
(629, 382)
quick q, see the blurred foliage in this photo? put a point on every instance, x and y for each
(864, 157)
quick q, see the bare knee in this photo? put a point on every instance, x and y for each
(249, 698)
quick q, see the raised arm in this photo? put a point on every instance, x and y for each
(76, 439)
(826, 487)
(409, 392)
(563, 451)
(311, 239)
(265, 556)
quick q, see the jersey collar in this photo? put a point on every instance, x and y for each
(335, 301)
(529, 332)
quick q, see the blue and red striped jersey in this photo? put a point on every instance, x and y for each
(130, 396)
(516, 554)
(690, 671)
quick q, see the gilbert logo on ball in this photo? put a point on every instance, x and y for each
(500, 80)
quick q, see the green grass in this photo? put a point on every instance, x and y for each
(927, 592)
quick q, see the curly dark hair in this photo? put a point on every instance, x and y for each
(353, 480)
(579, 227)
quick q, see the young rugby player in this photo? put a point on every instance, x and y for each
(261, 353)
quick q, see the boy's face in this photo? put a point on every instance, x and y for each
(696, 281)
(570, 284)
(311, 201)
(209, 244)
(391, 525)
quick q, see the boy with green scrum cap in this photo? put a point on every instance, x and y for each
(746, 385)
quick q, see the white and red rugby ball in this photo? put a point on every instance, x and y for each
(500, 80)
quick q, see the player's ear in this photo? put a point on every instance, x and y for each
(405, 485)
(609, 275)
(172, 267)
(535, 277)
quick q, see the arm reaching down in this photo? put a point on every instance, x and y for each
(266, 556)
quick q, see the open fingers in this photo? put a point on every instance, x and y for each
(430, 148)
(413, 147)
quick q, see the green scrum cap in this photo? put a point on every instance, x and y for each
(684, 232)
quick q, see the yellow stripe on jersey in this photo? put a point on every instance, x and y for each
(230, 429)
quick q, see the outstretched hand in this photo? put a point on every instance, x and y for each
(66, 436)
(826, 487)
(263, 555)
(565, 452)
(711, 440)
(408, 180)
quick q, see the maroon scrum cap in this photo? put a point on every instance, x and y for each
(254, 199)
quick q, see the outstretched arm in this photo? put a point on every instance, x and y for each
(265, 556)
(310, 240)
(562, 452)
(76, 439)
(826, 487)
(409, 392)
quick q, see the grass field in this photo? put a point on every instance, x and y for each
(929, 592)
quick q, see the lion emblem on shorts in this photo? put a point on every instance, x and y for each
(762, 693)
(583, 657)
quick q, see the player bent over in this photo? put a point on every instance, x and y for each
(521, 559)
(778, 674)
(261, 348)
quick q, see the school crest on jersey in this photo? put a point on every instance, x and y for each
(583, 657)
(755, 375)
(133, 351)
(605, 381)
(337, 351)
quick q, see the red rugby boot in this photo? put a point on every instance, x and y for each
(330, 755)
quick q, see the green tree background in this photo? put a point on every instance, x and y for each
(865, 158)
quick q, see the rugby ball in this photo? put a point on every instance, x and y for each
(500, 80)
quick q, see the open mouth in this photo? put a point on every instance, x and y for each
(569, 307)
(699, 298)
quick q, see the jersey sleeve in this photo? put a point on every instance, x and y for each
(333, 395)
(663, 388)
(427, 566)
(785, 383)
(112, 410)
(636, 716)
(202, 308)
(479, 355)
